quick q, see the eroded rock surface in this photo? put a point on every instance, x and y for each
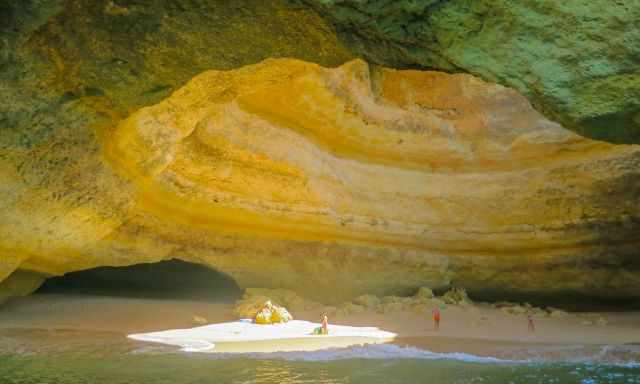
(339, 182)
(577, 61)
(70, 70)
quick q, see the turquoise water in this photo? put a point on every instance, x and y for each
(119, 364)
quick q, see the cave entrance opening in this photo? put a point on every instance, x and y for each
(169, 279)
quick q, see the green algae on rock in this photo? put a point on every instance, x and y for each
(576, 61)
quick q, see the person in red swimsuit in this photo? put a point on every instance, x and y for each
(436, 318)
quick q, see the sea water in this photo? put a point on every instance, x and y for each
(118, 362)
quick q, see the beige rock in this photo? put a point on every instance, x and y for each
(390, 307)
(254, 299)
(424, 293)
(520, 309)
(199, 320)
(351, 308)
(391, 299)
(557, 313)
(408, 302)
(435, 302)
(19, 283)
(283, 297)
(249, 306)
(538, 312)
(457, 296)
(269, 313)
(514, 310)
(368, 301)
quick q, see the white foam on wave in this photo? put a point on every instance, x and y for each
(378, 351)
(396, 352)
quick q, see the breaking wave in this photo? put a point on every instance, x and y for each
(602, 355)
(371, 351)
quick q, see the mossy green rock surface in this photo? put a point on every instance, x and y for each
(577, 61)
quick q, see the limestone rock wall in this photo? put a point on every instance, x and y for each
(19, 283)
(331, 182)
(70, 70)
(577, 61)
(337, 182)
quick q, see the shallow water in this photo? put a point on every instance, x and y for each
(182, 368)
(71, 357)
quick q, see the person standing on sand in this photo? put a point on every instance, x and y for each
(436, 318)
(530, 326)
(325, 324)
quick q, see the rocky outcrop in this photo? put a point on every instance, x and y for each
(253, 300)
(576, 61)
(262, 309)
(19, 283)
(272, 314)
(334, 183)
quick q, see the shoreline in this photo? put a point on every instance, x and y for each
(43, 322)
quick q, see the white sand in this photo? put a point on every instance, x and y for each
(249, 337)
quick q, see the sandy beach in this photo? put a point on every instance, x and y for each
(479, 329)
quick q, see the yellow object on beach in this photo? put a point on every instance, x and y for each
(272, 314)
(264, 317)
(280, 315)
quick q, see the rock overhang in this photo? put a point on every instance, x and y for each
(67, 209)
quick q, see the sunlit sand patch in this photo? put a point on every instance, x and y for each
(243, 337)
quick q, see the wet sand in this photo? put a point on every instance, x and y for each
(49, 320)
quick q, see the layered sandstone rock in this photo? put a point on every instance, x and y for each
(338, 182)
(70, 70)
(577, 61)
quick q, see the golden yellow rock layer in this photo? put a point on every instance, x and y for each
(352, 180)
